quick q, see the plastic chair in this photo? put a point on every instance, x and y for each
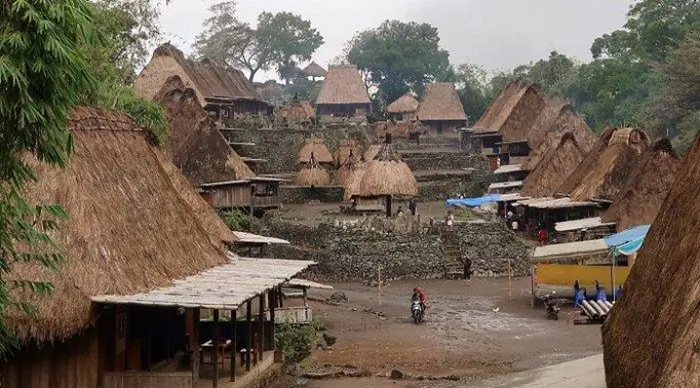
(579, 296)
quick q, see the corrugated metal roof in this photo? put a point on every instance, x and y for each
(509, 168)
(251, 238)
(505, 185)
(561, 203)
(593, 222)
(574, 249)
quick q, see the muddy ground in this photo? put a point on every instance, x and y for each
(472, 331)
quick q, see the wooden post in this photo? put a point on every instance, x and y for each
(388, 206)
(216, 348)
(195, 348)
(305, 293)
(149, 341)
(249, 339)
(273, 300)
(233, 345)
(280, 297)
(379, 283)
(261, 326)
(510, 281)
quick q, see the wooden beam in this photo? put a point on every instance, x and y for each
(272, 301)
(249, 339)
(194, 346)
(233, 344)
(261, 326)
(216, 348)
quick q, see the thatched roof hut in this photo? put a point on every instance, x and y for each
(651, 337)
(604, 171)
(440, 102)
(319, 150)
(562, 157)
(372, 152)
(312, 176)
(314, 70)
(343, 151)
(353, 182)
(641, 197)
(343, 86)
(388, 176)
(208, 80)
(560, 115)
(404, 104)
(513, 112)
(298, 112)
(399, 129)
(131, 227)
(195, 144)
(347, 168)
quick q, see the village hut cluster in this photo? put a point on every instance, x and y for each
(559, 182)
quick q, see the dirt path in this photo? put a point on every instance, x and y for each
(471, 331)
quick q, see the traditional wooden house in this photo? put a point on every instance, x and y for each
(647, 186)
(312, 175)
(299, 113)
(441, 110)
(144, 256)
(314, 70)
(343, 96)
(650, 338)
(404, 108)
(223, 93)
(504, 126)
(197, 147)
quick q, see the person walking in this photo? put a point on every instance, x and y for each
(412, 207)
(467, 268)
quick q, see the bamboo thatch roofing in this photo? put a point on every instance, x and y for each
(346, 169)
(513, 112)
(400, 129)
(319, 150)
(387, 174)
(135, 224)
(314, 70)
(404, 104)
(560, 115)
(440, 101)
(353, 182)
(561, 159)
(604, 171)
(343, 85)
(372, 152)
(641, 197)
(651, 337)
(344, 149)
(207, 79)
(299, 111)
(195, 144)
(312, 176)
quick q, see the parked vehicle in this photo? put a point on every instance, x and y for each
(416, 311)
(551, 307)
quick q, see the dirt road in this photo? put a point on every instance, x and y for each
(472, 332)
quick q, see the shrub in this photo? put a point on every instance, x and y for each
(238, 221)
(296, 341)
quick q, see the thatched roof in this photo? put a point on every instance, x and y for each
(387, 174)
(604, 171)
(440, 101)
(207, 79)
(560, 115)
(651, 337)
(353, 181)
(561, 158)
(372, 152)
(400, 129)
(343, 150)
(299, 111)
(195, 145)
(404, 104)
(319, 150)
(314, 70)
(513, 112)
(641, 197)
(343, 85)
(313, 176)
(135, 224)
(346, 169)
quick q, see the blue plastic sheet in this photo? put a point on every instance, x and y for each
(628, 235)
(474, 202)
(630, 248)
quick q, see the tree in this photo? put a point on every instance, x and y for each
(43, 74)
(280, 41)
(473, 90)
(399, 57)
(548, 73)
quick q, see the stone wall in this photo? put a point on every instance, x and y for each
(441, 190)
(303, 194)
(443, 161)
(353, 253)
(280, 147)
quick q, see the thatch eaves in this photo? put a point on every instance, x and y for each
(513, 113)
(343, 85)
(312, 176)
(131, 228)
(208, 80)
(388, 175)
(314, 70)
(195, 144)
(301, 111)
(646, 187)
(404, 104)
(650, 339)
(440, 102)
(344, 149)
(604, 171)
(559, 160)
(319, 150)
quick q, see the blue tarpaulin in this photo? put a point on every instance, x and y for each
(474, 202)
(629, 248)
(628, 235)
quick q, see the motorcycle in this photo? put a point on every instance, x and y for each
(416, 311)
(551, 308)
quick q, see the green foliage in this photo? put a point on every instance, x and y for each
(296, 341)
(280, 41)
(147, 114)
(43, 75)
(399, 57)
(241, 222)
(473, 90)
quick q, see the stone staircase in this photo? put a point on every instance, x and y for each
(454, 267)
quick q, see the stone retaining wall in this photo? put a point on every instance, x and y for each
(303, 194)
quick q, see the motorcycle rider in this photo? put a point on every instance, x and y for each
(420, 295)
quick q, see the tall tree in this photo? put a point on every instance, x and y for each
(279, 41)
(43, 74)
(551, 71)
(473, 90)
(398, 57)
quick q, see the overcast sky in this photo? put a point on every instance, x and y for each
(496, 34)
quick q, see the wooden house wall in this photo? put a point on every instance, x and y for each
(449, 128)
(343, 109)
(72, 364)
(231, 197)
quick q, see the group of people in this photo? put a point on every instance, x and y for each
(412, 207)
